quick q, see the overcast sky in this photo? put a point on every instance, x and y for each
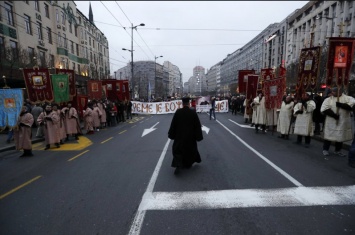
(185, 33)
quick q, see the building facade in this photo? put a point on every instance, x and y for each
(51, 34)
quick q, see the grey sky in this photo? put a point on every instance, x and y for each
(185, 33)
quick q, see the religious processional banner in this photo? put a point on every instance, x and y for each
(243, 79)
(71, 76)
(252, 86)
(11, 101)
(170, 107)
(265, 74)
(340, 57)
(60, 84)
(112, 88)
(80, 103)
(95, 89)
(38, 84)
(274, 91)
(308, 70)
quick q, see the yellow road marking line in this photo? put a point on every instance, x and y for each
(122, 132)
(78, 155)
(19, 187)
(106, 140)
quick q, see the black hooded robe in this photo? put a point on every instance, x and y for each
(185, 130)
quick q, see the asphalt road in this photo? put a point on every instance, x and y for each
(120, 182)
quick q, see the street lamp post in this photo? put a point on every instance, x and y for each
(132, 27)
(115, 74)
(155, 67)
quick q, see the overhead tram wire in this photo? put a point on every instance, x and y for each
(136, 31)
(231, 30)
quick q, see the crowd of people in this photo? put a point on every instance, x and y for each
(310, 115)
(57, 124)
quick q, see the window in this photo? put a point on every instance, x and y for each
(89, 41)
(14, 53)
(72, 47)
(63, 17)
(70, 27)
(2, 47)
(39, 31)
(87, 53)
(31, 53)
(86, 35)
(93, 43)
(9, 14)
(42, 58)
(59, 41)
(77, 49)
(73, 66)
(46, 10)
(90, 56)
(49, 35)
(78, 68)
(51, 62)
(65, 40)
(76, 31)
(36, 5)
(81, 34)
(28, 24)
(57, 16)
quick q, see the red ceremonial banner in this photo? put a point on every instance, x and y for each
(95, 89)
(243, 79)
(80, 103)
(38, 84)
(116, 89)
(274, 91)
(71, 75)
(308, 69)
(252, 86)
(340, 57)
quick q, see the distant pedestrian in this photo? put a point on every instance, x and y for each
(213, 107)
(129, 108)
(185, 130)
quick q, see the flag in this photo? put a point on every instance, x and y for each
(274, 91)
(71, 74)
(38, 84)
(60, 83)
(340, 58)
(11, 101)
(241, 80)
(95, 89)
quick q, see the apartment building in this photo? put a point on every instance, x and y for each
(51, 34)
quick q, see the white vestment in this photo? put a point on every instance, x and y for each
(283, 124)
(304, 121)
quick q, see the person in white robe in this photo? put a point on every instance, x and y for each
(303, 111)
(259, 101)
(337, 124)
(284, 121)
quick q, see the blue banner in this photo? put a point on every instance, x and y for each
(11, 102)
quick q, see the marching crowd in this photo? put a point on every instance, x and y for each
(308, 116)
(304, 118)
(57, 124)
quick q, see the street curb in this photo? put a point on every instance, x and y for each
(13, 147)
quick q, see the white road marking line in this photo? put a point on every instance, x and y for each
(290, 178)
(139, 217)
(243, 198)
(240, 125)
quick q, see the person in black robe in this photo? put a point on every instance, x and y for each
(185, 130)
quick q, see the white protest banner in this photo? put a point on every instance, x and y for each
(169, 107)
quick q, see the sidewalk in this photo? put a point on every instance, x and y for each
(4, 146)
